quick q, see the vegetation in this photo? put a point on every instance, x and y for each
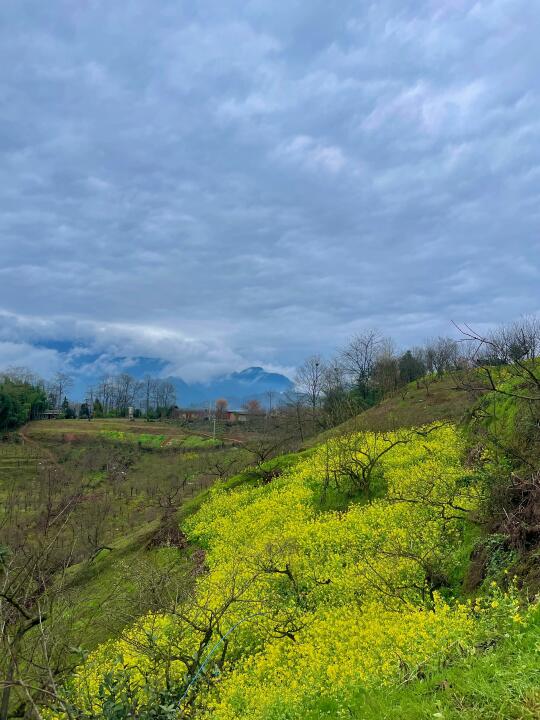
(387, 571)
(303, 617)
(21, 399)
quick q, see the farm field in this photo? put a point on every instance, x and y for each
(121, 485)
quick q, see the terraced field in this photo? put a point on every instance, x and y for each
(20, 465)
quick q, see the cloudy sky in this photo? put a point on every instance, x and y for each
(235, 182)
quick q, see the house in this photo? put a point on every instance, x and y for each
(234, 416)
(50, 415)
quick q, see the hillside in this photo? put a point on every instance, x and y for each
(96, 502)
(338, 584)
(368, 576)
(414, 405)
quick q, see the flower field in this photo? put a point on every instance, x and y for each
(302, 609)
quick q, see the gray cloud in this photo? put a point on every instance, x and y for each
(222, 184)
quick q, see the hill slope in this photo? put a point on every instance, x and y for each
(305, 612)
(413, 407)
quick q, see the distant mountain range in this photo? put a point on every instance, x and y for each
(88, 366)
(237, 387)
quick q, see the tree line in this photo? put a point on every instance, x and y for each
(369, 368)
(114, 394)
(23, 397)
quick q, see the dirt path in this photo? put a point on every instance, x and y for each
(45, 453)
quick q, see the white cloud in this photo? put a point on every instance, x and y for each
(43, 361)
(312, 154)
(225, 185)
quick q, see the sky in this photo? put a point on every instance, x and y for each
(235, 183)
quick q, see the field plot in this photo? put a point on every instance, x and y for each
(55, 428)
(114, 474)
(20, 466)
(108, 495)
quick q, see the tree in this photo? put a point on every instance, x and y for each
(385, 373)
(441, 355)
(309, 381)
(10, 412)
(517, 347)
(84, 411)
(126, 392)
(338, 403)
(34, 650)
(411, 366)
(359, 355)
(355, 456)
(221, 407)
(58, 386)
(97, 408)
(253, 407)
(67, 410)
(148, 387)
(19, 402)
(164, 396)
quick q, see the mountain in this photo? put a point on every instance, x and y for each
(87, 366)
(236, 388)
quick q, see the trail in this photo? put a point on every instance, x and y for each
(45, 453)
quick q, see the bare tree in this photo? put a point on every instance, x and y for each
(309, 382)
(20, 375)
(441, 355)
(253, 407)
(58, 387)
(358, 357)
(148, 390)
(221, 407)
(338, 404)
(354, 457)
(517, 346)
(33, 652)
(385, 373)
(164, 395)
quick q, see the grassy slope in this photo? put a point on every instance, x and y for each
(417, 407)
(96, 592)
(501, 683)
(105, 595)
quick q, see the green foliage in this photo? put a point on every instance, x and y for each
(19, 402)
(501, 682)
(196, 441)
(97, 409)
(411, 367)
(142, 439)
(84, 411)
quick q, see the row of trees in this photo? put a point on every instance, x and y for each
(22, 398)
(25, 396)
(116, 393)
(369, 368)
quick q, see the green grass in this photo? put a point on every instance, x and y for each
(104, 595)
(196, 441)
(502, 683)
(413, 407)
(142, 439)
